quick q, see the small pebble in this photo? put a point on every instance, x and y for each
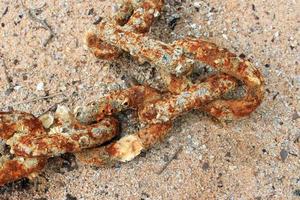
(40, 86)
(17, 87)
(97, 20)
(225, 36)
(205, 166)
(91, 11)
(295, 116)
(297, 192)
(283, 154)
(70, 197)
(197, 4)
(114, 8)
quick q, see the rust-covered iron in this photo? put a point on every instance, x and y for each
(26, 141)
(13, 167)
(136, 15)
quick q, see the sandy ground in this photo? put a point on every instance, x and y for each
(255, 158)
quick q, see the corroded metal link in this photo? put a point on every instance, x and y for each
(143, 16)
(63, 134)
(127, 148)
(26, 142)
(227, 62)
(63, 139)
(19, 167)
(178, 59)
(14, 167)
(154, 107)
(131, 98)
(195, 97)
(140, 46)
(136, 15)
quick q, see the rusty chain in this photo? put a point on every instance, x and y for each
(27, 141)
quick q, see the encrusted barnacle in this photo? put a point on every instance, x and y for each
(126, 148)
(47, 120)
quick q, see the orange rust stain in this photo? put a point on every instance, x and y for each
(6, 131)
(171, 109)
(242, 109)
(148, 114)
(146, 5)
(153, 133)
(194, 47)
(112, 150)
(216, 112)
(34, 125)
(13, 170)
(242, 67)
(19, 152)
(177, 85)
(92, 40)
(257, 73)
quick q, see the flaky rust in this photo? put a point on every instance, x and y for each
(227, 62)
(142, 18)
(131, 98)
(14, 167)
(135, 15)
(62, 139)
(25, 145)
(126, 148)
(178, 59)
(19, 167)
(101, 49)
(11, 122)
(125, 10)
(195, 97)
